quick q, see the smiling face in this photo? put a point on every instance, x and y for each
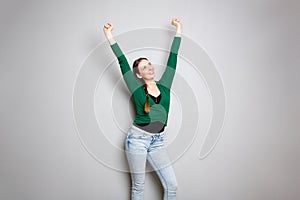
(146, 70)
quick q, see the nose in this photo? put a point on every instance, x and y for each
(150, 68)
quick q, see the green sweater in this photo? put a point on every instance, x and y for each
(158, 112)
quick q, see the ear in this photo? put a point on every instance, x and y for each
(139, 76)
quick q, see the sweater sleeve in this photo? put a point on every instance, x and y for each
(168, 75)
(130, 80)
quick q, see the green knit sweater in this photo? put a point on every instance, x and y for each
(158, 112)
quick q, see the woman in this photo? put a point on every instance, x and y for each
(152, 100)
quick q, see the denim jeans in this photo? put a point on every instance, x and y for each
(141, 146)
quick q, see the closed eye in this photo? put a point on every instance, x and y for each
(145, 66)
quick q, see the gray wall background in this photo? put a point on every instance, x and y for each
(255, 46)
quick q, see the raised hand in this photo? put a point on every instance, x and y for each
(176, 22)
(107, 28)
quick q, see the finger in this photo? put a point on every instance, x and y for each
(107, 26)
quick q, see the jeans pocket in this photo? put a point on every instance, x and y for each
(131, 137)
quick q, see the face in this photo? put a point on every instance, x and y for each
(146, 70)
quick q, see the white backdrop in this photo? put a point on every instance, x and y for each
(254, 45)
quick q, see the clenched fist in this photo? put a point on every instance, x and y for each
(176, 22)
(107, 28)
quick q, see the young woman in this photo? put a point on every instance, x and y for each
(145, 138)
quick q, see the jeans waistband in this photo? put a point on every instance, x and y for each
(146, 132)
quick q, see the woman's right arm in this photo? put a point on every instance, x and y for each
(131, 82)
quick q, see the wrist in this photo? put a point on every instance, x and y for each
(111, 40)
(178, 32)
(178, 29)
(108, 35)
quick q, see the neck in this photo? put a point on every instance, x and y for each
(150, 82)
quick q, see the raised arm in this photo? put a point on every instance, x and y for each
(168, 75)
(131, 82)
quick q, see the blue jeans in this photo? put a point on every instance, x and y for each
(141, 146)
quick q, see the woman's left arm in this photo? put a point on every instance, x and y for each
(168, 75)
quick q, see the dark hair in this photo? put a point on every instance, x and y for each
(135, 70)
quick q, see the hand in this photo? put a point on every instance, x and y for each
(107, 28)
(176, 22)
